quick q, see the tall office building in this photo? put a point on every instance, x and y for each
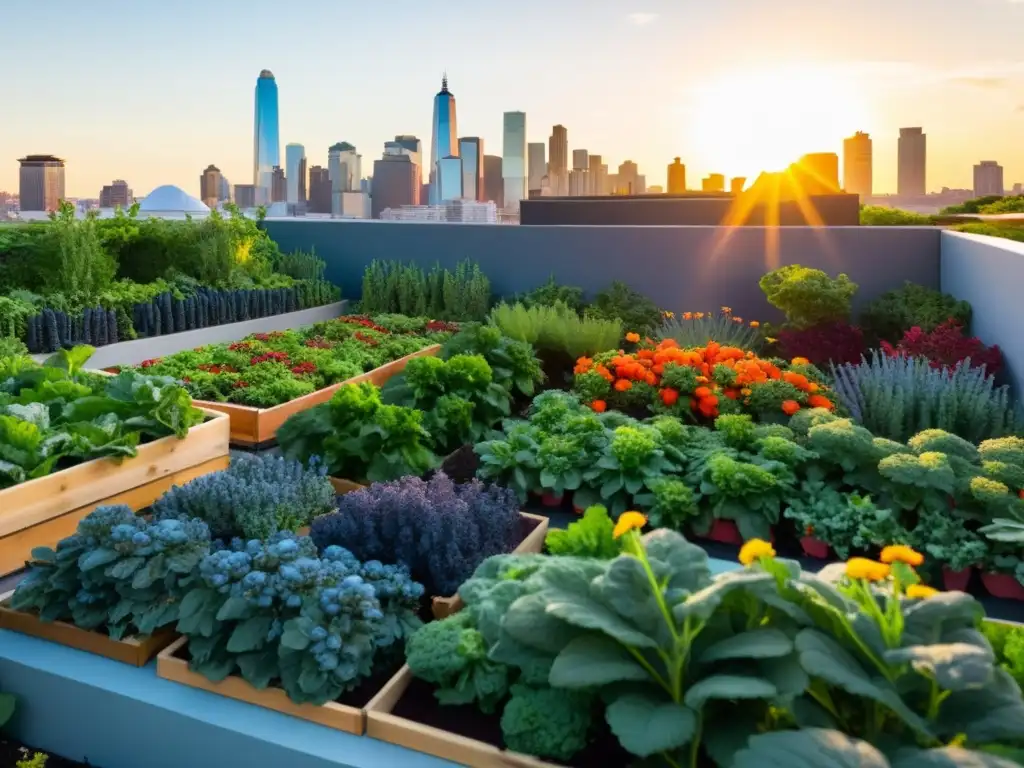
(319, 190)
(911, 162)
(278, 185)
(116, 194)
(224, 190)
(295, 172)
(597, 176)
(443, 141)
(988, 178)
(676, 177)
(579, 160)
(558, 160)
(818, 173)
(630, 181)
(266, 137)
(395, 183)
(209, 186)
(471, 152)
(245, 196)
(579, 182)
(537, 165)
(737, 183)
(449, 178)
(513, 160)
(406, 144)
(494, 184)
(344, 165)
(858, 161)
(41, 182)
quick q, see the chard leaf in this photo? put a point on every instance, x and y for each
(954, 666)
(645, 725)
(729, 688)
(594, 660)
(755, 644)
(808, 748)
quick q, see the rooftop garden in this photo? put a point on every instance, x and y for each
(519, 554)
(956, 217)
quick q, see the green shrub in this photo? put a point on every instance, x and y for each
(971, 206)
(620, 302)
(393, 287)
(1010, 231)
(550, 293)
(808, 296)
(301, 265)
(880, 216)
(557, 328)
(893, 313)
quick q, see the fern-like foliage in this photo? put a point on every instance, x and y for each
(897, 397)
(257, 496)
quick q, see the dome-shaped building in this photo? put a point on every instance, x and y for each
(169, 201)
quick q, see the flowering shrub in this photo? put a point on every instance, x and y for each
(699, 383)
(822, 344)
(946, 347)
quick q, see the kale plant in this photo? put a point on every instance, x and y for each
(514, 364)
(440, 530)
(118, 572)
(257, 496)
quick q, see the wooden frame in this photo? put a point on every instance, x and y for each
(43, 511)
(252, 427)
(129, 650)
(381, 724)
(337, 716)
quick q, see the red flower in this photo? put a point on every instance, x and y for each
(369, 340)
(149, 363)
(669, 396)
(435, 326)
(240, 384)
(600, 406)
(240, 346)
(303, 368)
(270, 357)
(318, 342)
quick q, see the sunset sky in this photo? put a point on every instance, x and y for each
(152, 92)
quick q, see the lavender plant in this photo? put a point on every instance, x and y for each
(440, 530)
(897, 397)
(257, 496)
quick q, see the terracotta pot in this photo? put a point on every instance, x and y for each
(956, 581)
(550, 499)
(578, 510)
(1003, 585)
(725, 532)
(815, 548)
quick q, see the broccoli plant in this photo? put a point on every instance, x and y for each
(633, 461)
(547, 722)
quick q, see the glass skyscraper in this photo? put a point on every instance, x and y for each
(471, 152)
(513, 160)
(295, 172)
(266, 137)
(444, 142)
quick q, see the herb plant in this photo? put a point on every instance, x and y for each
(591, 536)
(808, 296)
(618, 301)
(389, 286)
(894, 313)
(556, 328)
(514, 364)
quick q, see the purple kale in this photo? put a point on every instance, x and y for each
(439, 530)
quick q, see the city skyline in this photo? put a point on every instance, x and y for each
(648, 104)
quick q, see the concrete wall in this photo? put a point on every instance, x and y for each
(680, 268)
(989, 273)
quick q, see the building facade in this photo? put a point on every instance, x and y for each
(444, 138)
(714, 182)
(818, 173)
(537, 165)
(245, 196)
(41, 182)
(494, 183)
(266, 137)
(471, 153)
(858, 165)
(629, 179)
(558, 160)
(344, 165)
(117, 194)
(988, 178)
(579, 182)
(210, 186)
(319, 190)
(676, 177)
(597, 176)
(737, 183)
(911, 162)
(580, 161)
(396, 183)
(449, 178)
(278, 186)
(513, 160)
(295, 172)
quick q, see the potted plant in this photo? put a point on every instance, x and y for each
(744, 499)
(948, 541)
(826, 518)
(1004, 575)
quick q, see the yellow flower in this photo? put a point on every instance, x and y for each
(770, 340)
(800, 361)
(898, 553)
(755, 549)
(627, 522)
(669, 315)
(862, 568)
(920, 592)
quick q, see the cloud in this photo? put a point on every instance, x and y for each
(642, 19)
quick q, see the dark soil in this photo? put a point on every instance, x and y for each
(12, 751)
(557, 366)
(461, 466)
(418, 704)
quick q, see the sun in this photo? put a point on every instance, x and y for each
(753, 121)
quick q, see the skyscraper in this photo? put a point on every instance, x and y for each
(319, 190)
(494, 183)
(295, 172)
(224, 192)
(443, 142)
(538, 164)
(449, 178)
(558, 160)
(676, 177)
(266, 137)
(857, 165)
(597, 176)
(278, 185)
(245, 196)
(988, 178)
(471, 152)
(41, 182)
(345, 167)
(818, 173)
(513, 159)
(579, 159)
(911, 163)
(629, 179)
(395, 183)
(209, 186)
(117, 194)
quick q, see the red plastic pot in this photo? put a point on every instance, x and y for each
(550, 499)
(815, 548)
(1003, 585)
(725, 532)
(956, 581)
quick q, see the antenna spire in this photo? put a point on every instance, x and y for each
(444, 82)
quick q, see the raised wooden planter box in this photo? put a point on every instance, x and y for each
(382, 724)
(254, 427)
(442, 607)
(41, 512)
(340, 717)
(130, 650)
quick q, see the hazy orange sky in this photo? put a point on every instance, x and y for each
(153, 92)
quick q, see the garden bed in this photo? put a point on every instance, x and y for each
(42, 511)
(346, 714)
(256, 427)
(130, 650)
(406, 713)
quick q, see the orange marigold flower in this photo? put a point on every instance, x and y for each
(702, 392)
(599, 405)
(738, 320)
(687, 315)
(731, 394)
(669, 396)
(812, 387)
(624, 384)
(646, 354)
(699, 315)
(819, 401)
(727, 310)
(604, 373)
(789, 407)
(800, 361)
(633, 337)
(746, 391)
(754, 324)
(900, 553)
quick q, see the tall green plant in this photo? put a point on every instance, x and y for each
(808, 296)
(301, 265)
(557, 327)
(82, 266)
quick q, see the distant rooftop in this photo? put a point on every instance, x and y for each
(342, 146)
(41, 159)
(266, 74)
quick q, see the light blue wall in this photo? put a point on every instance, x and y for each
(989, 273)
